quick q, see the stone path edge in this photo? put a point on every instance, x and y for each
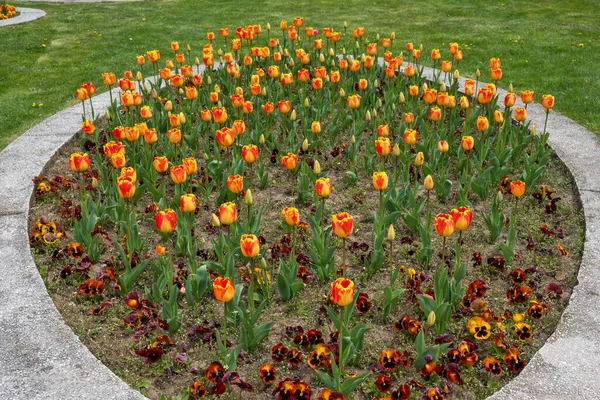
(25, 15)
(43, 359)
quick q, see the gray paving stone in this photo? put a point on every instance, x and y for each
(41, 357)
(26, 15)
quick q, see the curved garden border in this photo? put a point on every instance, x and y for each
(43, 358)
(25, 15)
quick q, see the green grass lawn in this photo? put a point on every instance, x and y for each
(548, 46)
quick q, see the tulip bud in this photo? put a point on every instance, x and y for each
(419, 159)
(394, 105)
(248, 197)
(478, 73)
(317, 168)
(268, 29)
(396, 150)
(343, 50)
(263, 263)
(94, 183)
(421, 47)
(377, 36)
(293, 115)
(374, 113)
(425, 87)
(197, 61)
(357, 46)
(264, 91)
(292, 62)
(219, 104)
(322, 58)
(205, 157)
(107, 115)
(215, 221)
(332, 63)
(533, 130)
(391, 233)
(181, 92)
(181, 118)
(352, 139)
(209, 80)
(402, 99)
(510, 88)
(456, 75)
(428, 182)
(345, 24)
(261, 139)
(306, 103)
(331, 52)
(154, 94)
(431, 318)
(376, 83)
(499, 196)
(368, 116)
(443, 87)
(379, 103)
(168, 106)
(305, 145)
(342, 92)
(220, 52)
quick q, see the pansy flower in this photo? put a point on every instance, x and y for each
(214, 372)
(279, 352)
(492, 365)
(479, 328)
(295, 357)
(268, 374)
(390, 359)
(523, 331)
(197, 390)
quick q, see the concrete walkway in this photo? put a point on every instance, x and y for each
(41, 358)
(25, 15)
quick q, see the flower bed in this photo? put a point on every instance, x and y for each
(220, 227)
(7, 11)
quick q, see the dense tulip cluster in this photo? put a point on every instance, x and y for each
(243, 150)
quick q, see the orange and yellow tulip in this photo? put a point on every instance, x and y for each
(249, 245)
(342, 224)
(342, 292)
(166, 220)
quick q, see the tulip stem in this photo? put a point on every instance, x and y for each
(391, 265)
(251, 174)
(458, 255)
(444, 252)
(343, 266)
(225, 326)
(516, 207)
(380, 210)
(341, 337)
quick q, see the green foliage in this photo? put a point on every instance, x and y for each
(448, 294)
(83, 228)
(251, 334)
(495, 220)
(287, 282)
(422, 350)
(321, 252)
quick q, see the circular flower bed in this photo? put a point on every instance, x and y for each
(308, 220)
(7, 11)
